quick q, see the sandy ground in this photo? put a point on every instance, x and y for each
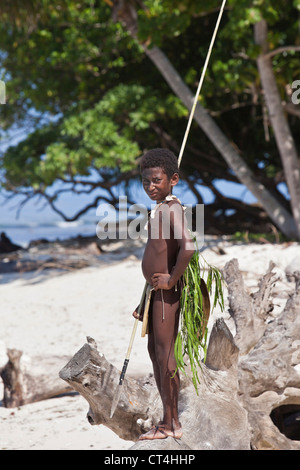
(52, 313)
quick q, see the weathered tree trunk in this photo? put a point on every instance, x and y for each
(140, 406)
(90, 374)
(27, 380)
(249, 395)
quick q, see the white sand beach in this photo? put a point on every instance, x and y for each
(52, 312)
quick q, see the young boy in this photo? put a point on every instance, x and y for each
(167, 253)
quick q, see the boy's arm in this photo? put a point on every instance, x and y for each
(186, 249)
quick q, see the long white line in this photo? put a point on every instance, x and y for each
(200, 83)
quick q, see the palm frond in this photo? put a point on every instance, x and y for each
(201, 282)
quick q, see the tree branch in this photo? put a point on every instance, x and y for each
(290, 108)
(280, 50)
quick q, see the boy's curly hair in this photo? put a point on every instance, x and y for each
(162, 158)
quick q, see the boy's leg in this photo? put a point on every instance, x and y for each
(163, 328)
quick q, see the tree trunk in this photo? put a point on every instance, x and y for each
(249, 395)
(27, 380)
(283, 136)
(126, 12)
(140, 406)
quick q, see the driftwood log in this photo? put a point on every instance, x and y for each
(30, 379)
(249, 396)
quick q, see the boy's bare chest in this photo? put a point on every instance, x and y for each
(159, 226)
(157, 247)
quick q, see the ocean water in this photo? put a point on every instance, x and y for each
(24, 232)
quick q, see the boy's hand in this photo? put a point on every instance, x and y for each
(160, 281)
(136, 315)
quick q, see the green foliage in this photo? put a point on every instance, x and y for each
(102, 137)
(192, 336)
(91, 100)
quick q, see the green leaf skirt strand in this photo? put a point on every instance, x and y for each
(201, 282)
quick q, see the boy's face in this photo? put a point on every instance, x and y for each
(157, 184)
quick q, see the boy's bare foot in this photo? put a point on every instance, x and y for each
(161, 431)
